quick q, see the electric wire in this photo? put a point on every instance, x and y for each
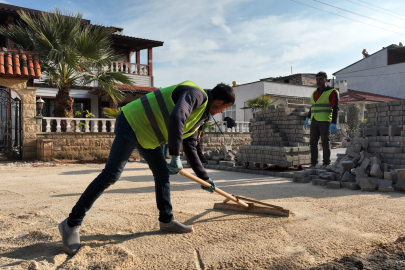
(348, 18)
(381, 8)
(376, 10)
(360, 15)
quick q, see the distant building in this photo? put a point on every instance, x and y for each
(91, 97)
(382, 72)
(286, 93)
(306, 79)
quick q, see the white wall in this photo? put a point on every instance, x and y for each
(248, 91)
(373, 75)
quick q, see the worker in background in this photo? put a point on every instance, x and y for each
(170, 116)
(323, 116)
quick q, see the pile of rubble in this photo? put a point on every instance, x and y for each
(278, 138)
(226, 156)
(370, 163)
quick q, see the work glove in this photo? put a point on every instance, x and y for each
(175, 165)
(211, 188)
(306, 123)
(332, 128)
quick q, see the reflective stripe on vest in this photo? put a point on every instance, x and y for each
(149, 116)
(321, 110)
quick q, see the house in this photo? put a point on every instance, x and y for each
(286, 93)
(91, 97)
(360, 99)
(382, 72)
(307, 79)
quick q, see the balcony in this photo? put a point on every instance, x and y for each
(138, 73)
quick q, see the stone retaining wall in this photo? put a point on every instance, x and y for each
(214, 139)
(61, 145)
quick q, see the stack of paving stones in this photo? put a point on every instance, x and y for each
(278, 138)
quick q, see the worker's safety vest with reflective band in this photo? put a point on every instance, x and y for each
(321, 110)
(149, 116)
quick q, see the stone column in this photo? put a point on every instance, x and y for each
(29, 125)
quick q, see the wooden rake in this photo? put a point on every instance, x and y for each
(240, 203)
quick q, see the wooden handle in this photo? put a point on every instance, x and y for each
(217, 190)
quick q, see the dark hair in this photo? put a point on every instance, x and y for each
(322, 74)
(223, 92)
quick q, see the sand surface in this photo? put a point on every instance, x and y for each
(121, 230)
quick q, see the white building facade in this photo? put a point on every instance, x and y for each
(285, 93)
(381, 73)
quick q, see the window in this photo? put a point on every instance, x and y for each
(230, 112)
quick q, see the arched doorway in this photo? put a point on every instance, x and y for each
(10, 125)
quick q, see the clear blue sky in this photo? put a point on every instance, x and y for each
(244, 40)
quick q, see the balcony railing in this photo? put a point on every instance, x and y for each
(107, 125)
(241, 126)
(80, 124)
(129, 68)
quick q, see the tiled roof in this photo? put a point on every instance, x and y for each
(125, 88)
(354, 95)
(19, 64)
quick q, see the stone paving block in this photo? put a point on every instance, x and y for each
(333, 185)
(338, 177)
(362, 141)
(322, 182)
(346, 166)
(384, 167)
(348, 177)
(375, 160)
(400, 185)
(301, 174)
(400, 174)
(359, 172)
(388, 176)
(327, 175)
(394, 130)
(382, 131)
(302, 180)
(372, 131)
(311, 171)
(213, 162)
(376, 171)
(354, 154)
(350, 185)
(385, 186)
(367, 183)
(354, 147)
(365, 163)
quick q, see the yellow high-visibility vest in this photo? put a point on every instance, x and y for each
(321, 109)
(149, 116)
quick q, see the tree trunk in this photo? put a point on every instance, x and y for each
(63, 107)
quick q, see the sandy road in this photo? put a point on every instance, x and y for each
(121, 230)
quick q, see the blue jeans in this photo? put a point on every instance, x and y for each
(124, 143)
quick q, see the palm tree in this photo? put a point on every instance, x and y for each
(70, 53)
(259, 104)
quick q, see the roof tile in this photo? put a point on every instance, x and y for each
(17, 63)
